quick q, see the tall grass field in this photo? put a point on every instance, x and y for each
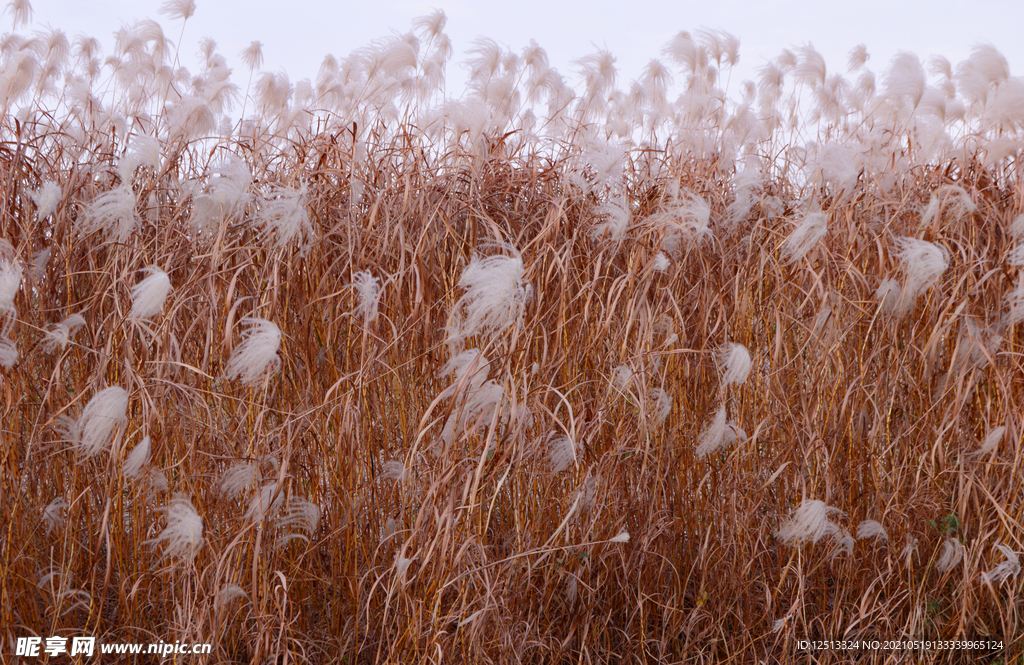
(561, 368)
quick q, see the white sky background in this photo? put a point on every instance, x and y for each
(297, 34)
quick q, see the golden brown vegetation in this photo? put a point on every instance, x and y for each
(360, 504)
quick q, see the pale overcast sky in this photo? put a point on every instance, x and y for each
(296, 34)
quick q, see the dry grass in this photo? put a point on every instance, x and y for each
(472, 550)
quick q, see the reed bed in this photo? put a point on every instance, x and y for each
(540, 374)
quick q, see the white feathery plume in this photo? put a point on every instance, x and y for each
(687, 220)
(390, 528)
(368, 288)
(622, 376)
(183, 534)
(1015, 303)
(237, 478)
(401, 565)
(905, 80)
(105, 412)
(957, 201)
(393, 470)
(39, 262)
(266, 503)
(713, 436)
(622, 537)
(615, 219)
(252, 55)
(496, 294)
(21, 12)
(571, 590)
(733, 434)
(469, 363)
(53, 514)
(143, 151)
(155, 480)
(661, 402)
(976, 346)
(137, 459)
(257, 353)
(588, 492)
(1006, 569)
(951, 554)
(59, 336)
(477, 412)
(561, 453)
(1016, 256)
(10, 278)
(922, 264)
(808, 231)
(8, 350)
(871, 529)
(991, 442)
(112, 214)
(888, 294)
(735, 363)
(857, 57)
(226, 195)
(661, 262)
(909, 549)
(149, 295)
(284, 217)
(46, 197)
(844, 543)
(228, 593)
(178, 9)
(810, 522)
(1017, 227)
(300, 514)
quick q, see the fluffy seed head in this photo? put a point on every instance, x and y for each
(111, 214)
(992, 439)
(284, 218)
(10, 281)
(266, 503)
(368, 288)
(810, 522)
(138, 458)
(149, 295)
(496, 294)
(257, 353)
(183, 535)
(1010, 568)
(105, 412)
(713, 436)
(922, 264)
(951, 554)
(53, 514)
(238, 477)
(8, 352)
(46, 197)
(909, 549)
(300, 514)
(561, 453)
(871, 529)
(807, 233)
(661, 405)
(58, 337)
(735, 363)
(393, 470)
